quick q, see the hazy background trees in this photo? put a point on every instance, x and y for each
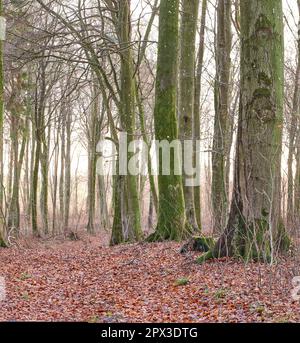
(77, 72)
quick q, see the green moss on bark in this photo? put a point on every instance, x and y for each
(198, 243)
(171, 208)
(254, 230)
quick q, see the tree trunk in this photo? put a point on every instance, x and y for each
(13, 221)
(44, 173)
(55, 180)
(131, 206)
(186, 97)
(197, 114)
(293, 201)
(2, 219)
(92, 133)
(171, 208)
(221, 124)
(62, 164)
(68, 170)
(254, 229)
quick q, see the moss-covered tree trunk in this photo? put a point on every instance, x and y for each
(117, 236)
(197, 113)
(38, 122)
(2, 224)
(68, 169)
(293, 198)
(44, 173)
(61, 186)
(171, 208)
(254, 229)
(55, 179)
(188, 30)
(129, 204)
(221, 123)
(13, 220)
(92, 143)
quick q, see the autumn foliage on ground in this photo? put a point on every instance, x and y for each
(63, 280)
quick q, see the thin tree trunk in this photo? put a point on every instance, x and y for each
(221, 124)
(189, 19)
(44, 173)
(13, 221)
(55, 181)
(197, 114)
(92, 133)
(37, 158)
(62, 165)
(2, 218)
(68, 170)
(294, 185)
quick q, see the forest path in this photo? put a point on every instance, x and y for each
(80, 281)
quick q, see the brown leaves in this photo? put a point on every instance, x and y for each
(140, 282)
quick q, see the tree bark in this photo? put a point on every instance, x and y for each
(2, 218)
(254, 229)
(221, 124)
(197, 113)
(131, 214)
(293, 198)
(92, 142)
(186, 96)
(171, 208)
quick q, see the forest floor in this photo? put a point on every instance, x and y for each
(84, 281)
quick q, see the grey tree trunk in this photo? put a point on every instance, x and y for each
(62, 164)
(39, 156)
(2, 219)
(197, 113)
(55, 180)
(221, 124)
(254, 229)
(130, 203)
(13, 221)
(68, 169)
(189, 19)
(293, 196)
(92, 142)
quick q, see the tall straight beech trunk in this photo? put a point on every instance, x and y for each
(221, 124)
(2, 224)
(293, 199)
(102, 191)
(129, 204)
(186, 94)
(68, 169)
(93, 133)
(27, 157)
(197, 113)
(55, 179)
(61, 187)
(44, 160)
(32, 160)
(141, 112)
(13, 221)
(38, 120)
(171, 209)
(254, 228)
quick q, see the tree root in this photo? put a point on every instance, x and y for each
(198, 243)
